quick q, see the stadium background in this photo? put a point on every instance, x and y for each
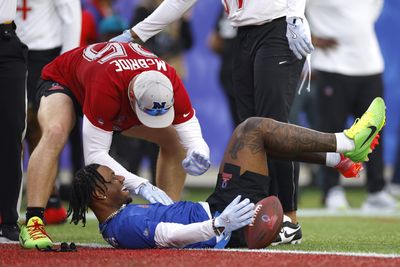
(207, 97)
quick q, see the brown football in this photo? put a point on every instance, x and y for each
(266, 224)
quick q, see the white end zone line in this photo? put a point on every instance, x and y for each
(349, 213)
(352, 254)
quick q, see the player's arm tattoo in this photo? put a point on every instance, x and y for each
(292, 139)
(261, 135)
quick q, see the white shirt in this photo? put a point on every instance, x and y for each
(8, 8)
(250, 12)
(351, 23)
(47, 24)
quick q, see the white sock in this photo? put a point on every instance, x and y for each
(332, 159)
(343, 143)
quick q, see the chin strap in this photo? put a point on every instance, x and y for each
(64, 247)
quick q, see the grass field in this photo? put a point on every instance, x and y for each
(321, 233)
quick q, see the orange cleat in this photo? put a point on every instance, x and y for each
(348, 168)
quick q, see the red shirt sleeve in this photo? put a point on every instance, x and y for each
(182, 105)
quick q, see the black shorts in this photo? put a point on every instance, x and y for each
(230, 183)
(46, 88)
(36, 61)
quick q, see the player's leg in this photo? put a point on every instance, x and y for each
(244, 168)
(55, 212)
(13, 58)
(170, 175)
(56, 125)
(43, 163)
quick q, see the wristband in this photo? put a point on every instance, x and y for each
(217, 230)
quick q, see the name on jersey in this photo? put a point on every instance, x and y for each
(134, 64)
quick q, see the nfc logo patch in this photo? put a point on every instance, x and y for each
(157, 105)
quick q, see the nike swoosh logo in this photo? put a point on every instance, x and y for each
(373, 130)
(282, 62)
(186, 114)
(287, 234)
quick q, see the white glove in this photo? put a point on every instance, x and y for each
(196, 163)
(125, 37)
(153, 194)
(298, 38)
(236, 215)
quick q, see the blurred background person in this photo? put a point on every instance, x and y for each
(48, 28)
(13, 67)
(348, 74)
(170, 45)
(221, 41)
(89, 34)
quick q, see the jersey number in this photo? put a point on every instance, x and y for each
(111, 51)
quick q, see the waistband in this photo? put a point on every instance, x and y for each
(8, 26)
(265, 24)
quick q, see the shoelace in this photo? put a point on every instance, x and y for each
(36, 231)
(306, 73)
(359, 123)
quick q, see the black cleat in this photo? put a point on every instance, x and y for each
(10, 231)
(289, 234)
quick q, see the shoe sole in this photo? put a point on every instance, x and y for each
(293, 242)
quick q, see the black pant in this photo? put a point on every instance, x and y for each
(265, 78)
(339, 96)
(229, 185)
(13, 60)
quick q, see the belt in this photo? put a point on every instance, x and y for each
(8, 26)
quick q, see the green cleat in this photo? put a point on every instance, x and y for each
(364, 130)
(34, 235)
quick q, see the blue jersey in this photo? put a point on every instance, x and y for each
(135, 225)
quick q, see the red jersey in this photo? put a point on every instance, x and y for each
(99, 74)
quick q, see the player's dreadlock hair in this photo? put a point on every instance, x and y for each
(84, 185)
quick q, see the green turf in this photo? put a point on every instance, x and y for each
(76, 233)
(345, 234)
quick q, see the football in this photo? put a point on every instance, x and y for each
(267, 223)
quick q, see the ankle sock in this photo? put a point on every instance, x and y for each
(34, 211)
(343, 143)
(332, 159)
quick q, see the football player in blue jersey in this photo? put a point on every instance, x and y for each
(243, 173)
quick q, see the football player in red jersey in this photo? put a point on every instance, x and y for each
(118, 88)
